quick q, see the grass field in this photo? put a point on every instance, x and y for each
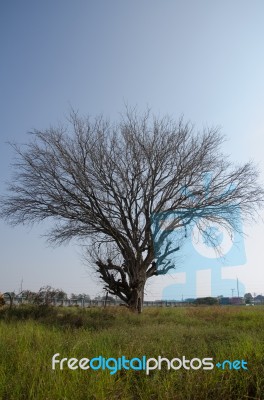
(30, 336)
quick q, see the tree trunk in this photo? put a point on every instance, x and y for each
(136, 300)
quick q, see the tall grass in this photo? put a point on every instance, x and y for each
(29, 337)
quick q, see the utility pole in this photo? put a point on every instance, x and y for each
(232, 292)
(21, 285)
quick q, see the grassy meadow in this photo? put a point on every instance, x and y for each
(30, 336)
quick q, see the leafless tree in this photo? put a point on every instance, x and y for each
(112, 184)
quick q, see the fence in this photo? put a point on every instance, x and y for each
(85, 303)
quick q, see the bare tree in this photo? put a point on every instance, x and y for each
(112, 184)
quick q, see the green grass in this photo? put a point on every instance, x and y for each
(29, 337)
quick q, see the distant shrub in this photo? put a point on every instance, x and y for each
(45, 296)
(2, 300)
(93, 319)
(209, 301)
(26, 311)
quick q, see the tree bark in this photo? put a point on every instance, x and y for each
(135, 303)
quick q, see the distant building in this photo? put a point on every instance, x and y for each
(259, 299)
(231, 300)
(237, 300)
(224, 301)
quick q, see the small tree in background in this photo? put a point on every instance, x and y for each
(80, 296)
(248, 298)
(45, 296)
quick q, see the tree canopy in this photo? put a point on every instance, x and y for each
(111, 185)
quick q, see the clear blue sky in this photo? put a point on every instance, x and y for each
(203, 59)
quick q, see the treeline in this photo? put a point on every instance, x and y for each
(48, 295)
